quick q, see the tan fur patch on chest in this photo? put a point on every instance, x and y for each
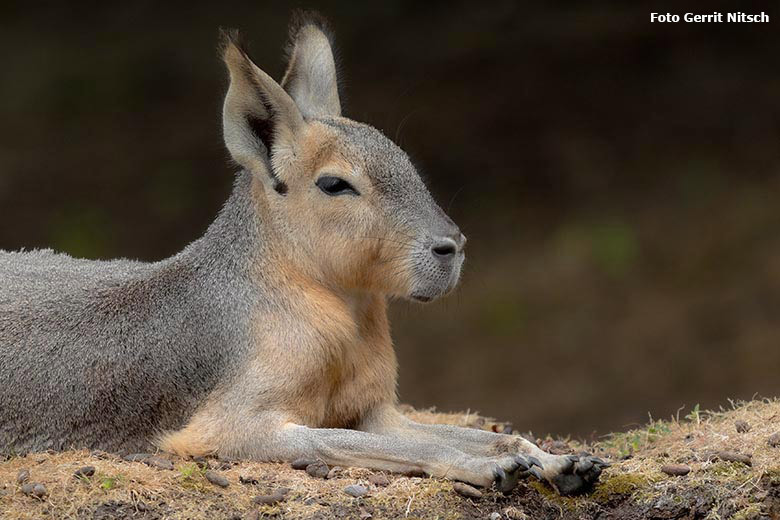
(351, 365)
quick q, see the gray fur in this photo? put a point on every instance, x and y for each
(107, 354)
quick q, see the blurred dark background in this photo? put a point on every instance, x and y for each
(617, 179)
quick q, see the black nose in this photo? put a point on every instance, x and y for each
(447, 247)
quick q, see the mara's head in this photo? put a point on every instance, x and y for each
(344, 202)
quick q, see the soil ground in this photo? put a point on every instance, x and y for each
(734, 473)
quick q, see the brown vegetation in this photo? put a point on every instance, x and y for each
(733, 471)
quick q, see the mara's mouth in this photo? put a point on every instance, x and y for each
(420, 298)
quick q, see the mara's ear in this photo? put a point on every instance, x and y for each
(259, 119)
(311, 72)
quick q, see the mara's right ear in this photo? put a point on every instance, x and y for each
(259, 119)
(311, 72)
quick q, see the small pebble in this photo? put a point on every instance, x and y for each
(466, 490)
(302, 463)
(318, 469)
(774, 440)
(23, 476)
(98, 454)
(86, 471)
(39, 490)
(158, 462)
(730, 456)
(334, 472)
(379, 479)
(216, 479)
(248, 480)
(355, 490)
(277, 495)
(741, 426)
(137, 457)
(676, 470)
(27, 488)
(271, 499)
(365, 515)
(494, 516)
(253, 515)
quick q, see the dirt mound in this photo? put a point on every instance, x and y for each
(707, 465)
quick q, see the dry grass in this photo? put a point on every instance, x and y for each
(632, 488)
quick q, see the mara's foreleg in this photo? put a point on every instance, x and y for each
(271, 437)
(569, 474)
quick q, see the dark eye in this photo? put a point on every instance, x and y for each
(335, 186)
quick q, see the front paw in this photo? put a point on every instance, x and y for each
(509, 470)
(577, 474)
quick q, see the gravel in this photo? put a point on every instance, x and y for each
(355, 490)
(676, 470)
(466, 490)
(216, 479)
(318, 469)
(86, 471)
(137, 457)
(150, 460)
(23, 476)
(277, 496)
(40, 491)
(302, 463)
(730, 456)
(159, 463)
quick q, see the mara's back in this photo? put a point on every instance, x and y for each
(100, 354)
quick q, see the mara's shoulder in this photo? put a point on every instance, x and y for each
(45, 270)
(50, 259)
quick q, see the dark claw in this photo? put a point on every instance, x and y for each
(522, 463)
(505, 481)
(536, 473)
(534, 461)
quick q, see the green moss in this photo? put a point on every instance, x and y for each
(623, 484)
(727, 471)
(627, 443)
(107, 483)
(191, 476)
(549, 494)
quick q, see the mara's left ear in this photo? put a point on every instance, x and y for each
(311, 72)
(260, 120)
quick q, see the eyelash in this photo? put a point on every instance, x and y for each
(335, 186)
